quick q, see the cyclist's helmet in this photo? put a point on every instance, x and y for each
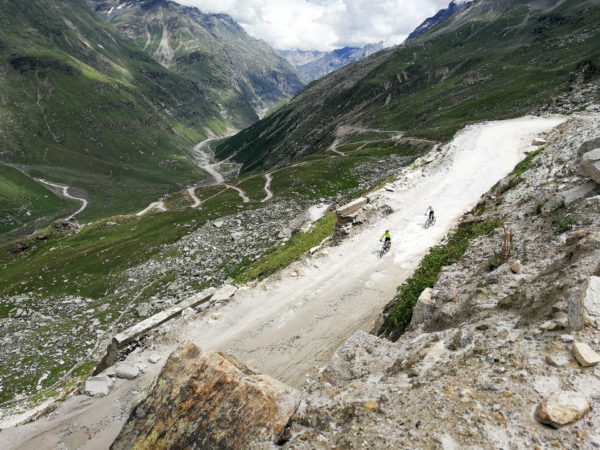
(387, 231)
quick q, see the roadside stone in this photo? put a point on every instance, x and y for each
(153, 359)
(567, 338)
(591, 298)
(218, 223)
(538, 142)
(127, 371)
(515, 267)
(224, 293)
(212, 399)
(562, 408)
(585, 355)
(557, 359)
(143, 309)
(98, 386)
(584, 309)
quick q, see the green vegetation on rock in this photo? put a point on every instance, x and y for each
(283, 256)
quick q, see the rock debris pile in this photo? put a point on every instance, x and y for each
(498, 355)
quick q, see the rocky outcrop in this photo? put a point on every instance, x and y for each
(208, 400)
(423, 308)
(362, 354)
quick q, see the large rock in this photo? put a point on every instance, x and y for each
(590, 165)
(362, 355)
(352, 207)
(424, 308)
(208, 400)
(98, 386)
(570, 196)
(127, 371)
(590, 298)
(584, 308)
(562, 408)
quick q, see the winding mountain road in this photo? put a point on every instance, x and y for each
(204, 158)
(294, 321)
(268, 190)
(65, 193)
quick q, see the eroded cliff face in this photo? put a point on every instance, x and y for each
(493, 358)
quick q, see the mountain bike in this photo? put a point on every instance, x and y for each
(385, 248)
(430, 221)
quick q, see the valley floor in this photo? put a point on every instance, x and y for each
(295, 320)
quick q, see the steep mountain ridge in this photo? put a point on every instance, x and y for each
(82, 106)
(314, 64)
(244, 76)
(494, 59)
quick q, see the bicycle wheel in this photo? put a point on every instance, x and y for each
(427, 223)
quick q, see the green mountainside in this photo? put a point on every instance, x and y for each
(494, 59)
(83, 105)
(242, 75)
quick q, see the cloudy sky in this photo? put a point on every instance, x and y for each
(324, 24)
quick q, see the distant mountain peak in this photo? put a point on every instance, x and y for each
(314, 64)
(441, 15)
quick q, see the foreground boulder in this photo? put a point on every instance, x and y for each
(208, 400)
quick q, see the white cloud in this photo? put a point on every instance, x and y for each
(324, 24)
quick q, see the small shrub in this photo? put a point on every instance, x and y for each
(563, 224)
(538, 208)
(494, 262)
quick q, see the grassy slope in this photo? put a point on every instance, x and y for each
(82, 106)
(482, 64)
(20, 197)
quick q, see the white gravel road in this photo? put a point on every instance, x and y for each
(293, 322)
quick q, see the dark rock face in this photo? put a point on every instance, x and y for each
(208, 400)
(440, 16)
